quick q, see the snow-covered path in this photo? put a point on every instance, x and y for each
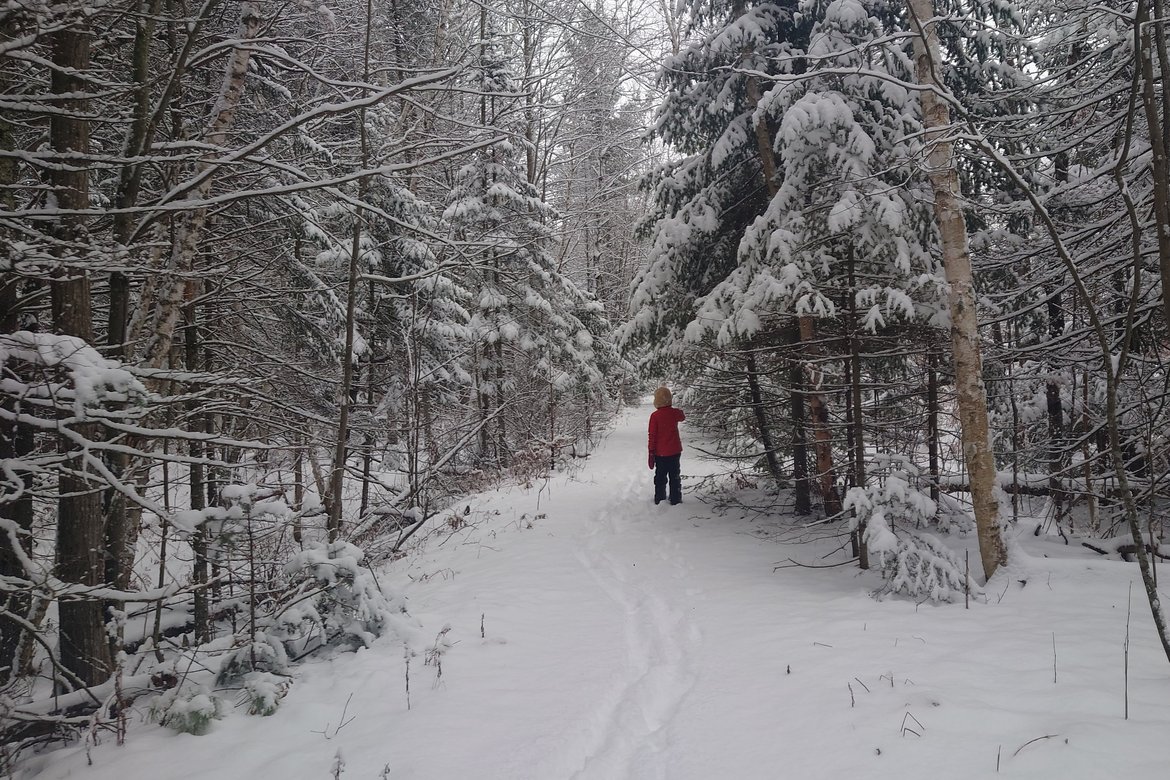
(594, 635)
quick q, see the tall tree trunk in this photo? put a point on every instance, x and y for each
(341, 448)
(80, 529)
(552, 423)
(368, 434)
(414, 419)
(850, 447)
(130, 175)
(952, 225)
(503, 453)
(159, 325)
(482, 401)
(1055, 409)
(819, 411)
(198, 484)
(802, 485)
(528, 41)
(857, 418)
(822, 438)
(298, 487)
(123, 518)
(1153, 47)
(119, 535)
(341, 445)
(1054, 307)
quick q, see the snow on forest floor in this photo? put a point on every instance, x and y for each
(595, 635)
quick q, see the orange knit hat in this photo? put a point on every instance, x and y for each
(662, 397)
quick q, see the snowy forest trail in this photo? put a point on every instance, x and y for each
(573, 629)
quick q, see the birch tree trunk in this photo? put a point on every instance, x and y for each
(159, 325)
(968, 362)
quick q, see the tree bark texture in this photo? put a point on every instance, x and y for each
(968, 363)
(822, 439)
(84, 649)
(197, 476)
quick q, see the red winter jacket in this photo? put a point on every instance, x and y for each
(663, 438)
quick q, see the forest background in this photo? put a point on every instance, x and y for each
(282, 281)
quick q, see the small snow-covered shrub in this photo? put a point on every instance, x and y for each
(262, 693)
(187, 708)
(265, 654)
(921, 567)
(332, 600)
(297, 602)
(912, 563)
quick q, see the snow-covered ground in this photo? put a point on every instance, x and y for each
(595, 635)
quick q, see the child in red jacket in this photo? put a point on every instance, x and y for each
(665, 446)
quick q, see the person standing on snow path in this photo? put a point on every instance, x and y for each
(665, 446)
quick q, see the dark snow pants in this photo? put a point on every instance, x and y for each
(666, 469)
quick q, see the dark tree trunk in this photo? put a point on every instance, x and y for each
(348, 388)
(298, 488)
(819, 419)
(932, 422)
(857, 419)
(368, 435)
(1152, 49)
(502, 454)
(1055, 414)
(120, 536)
(130, 176)
(1055, 406)
(80, 528)
(826, 477)
(762, 425)
(198, 487)
(800, 475)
